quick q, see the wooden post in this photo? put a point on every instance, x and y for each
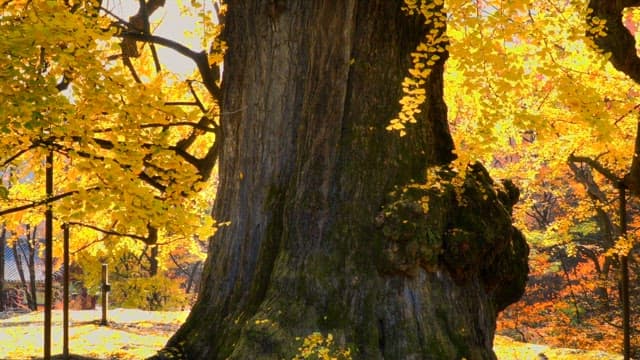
(65, 294)
(48, 258)
(106, 287)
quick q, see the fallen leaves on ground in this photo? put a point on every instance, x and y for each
(131, 334)
(509, 349)
(136, 334)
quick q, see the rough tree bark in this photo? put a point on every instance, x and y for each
(311, 183)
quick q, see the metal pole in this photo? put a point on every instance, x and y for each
(48, 258)
(65, 294)
(105, 294)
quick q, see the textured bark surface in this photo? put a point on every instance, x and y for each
(309, 180)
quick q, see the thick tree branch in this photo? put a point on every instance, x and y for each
(107, 232)
(621, 44)
(147, 30)
(203, 123)
(208, 162)
(126, 60)
(203, 165)
(195, 96)
(139, 23)
(596, 166)
(118, 20)
(137, 29)
(85, 246)
(152, 181)
(181, 103)
(34, 204)
(617, 39)
(599, 198)
(199, 125)
(199, 58)
(585, 177)
(10, 159)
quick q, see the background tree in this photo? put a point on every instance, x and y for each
(134, 143)
(25, 246)
(550, 72)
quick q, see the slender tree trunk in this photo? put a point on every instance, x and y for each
(18, 258)
(603, 278)
(31, 265)
(563, 257)
(311, 183)
(19, 253)
(153, 261)
(192, 275)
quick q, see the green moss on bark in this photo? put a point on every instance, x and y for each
(413, 232)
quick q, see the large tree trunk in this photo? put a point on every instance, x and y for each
(310, 181)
